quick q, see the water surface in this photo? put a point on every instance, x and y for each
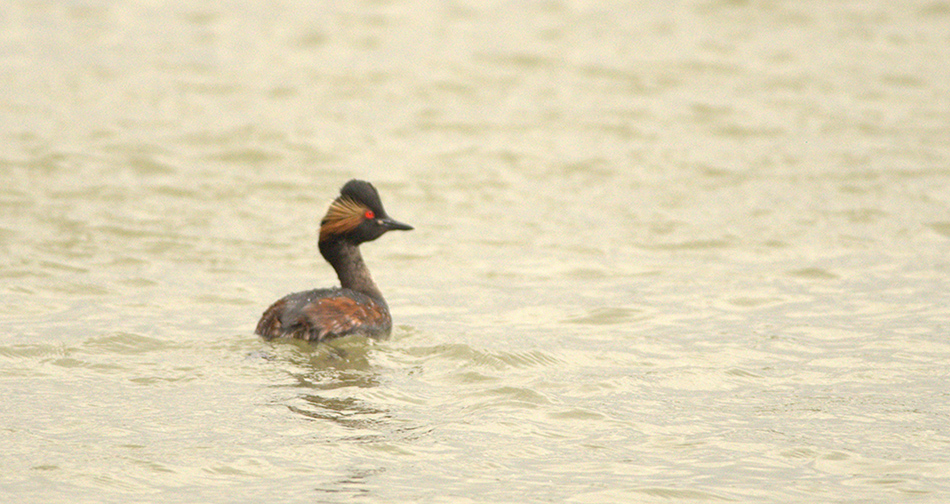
(662, 253)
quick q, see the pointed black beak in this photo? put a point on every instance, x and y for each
(393, 225)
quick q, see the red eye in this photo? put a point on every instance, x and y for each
(369, 214)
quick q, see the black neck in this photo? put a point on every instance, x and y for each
(350, 268)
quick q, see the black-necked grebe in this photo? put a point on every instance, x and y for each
(357, 306)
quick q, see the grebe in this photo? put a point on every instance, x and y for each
(357, 306)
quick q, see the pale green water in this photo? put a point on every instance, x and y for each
(663, 253)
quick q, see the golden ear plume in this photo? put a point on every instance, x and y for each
(343, 216)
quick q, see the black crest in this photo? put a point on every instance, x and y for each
(361, 191)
